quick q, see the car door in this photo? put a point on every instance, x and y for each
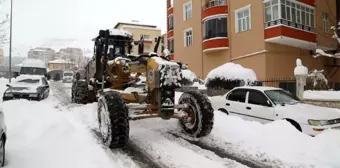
(259, 107)
(236, 102)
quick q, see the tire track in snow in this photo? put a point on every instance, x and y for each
(223, 153)
(132, 150)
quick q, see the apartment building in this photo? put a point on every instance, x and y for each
(266, 36)
(149, 33)
(46, 54)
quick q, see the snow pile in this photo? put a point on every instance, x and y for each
(275, 142)
(229, 75)
(322, 95)
(300, 69)
(169, 72)
(231, 71)
(39, 136)
(320, 52)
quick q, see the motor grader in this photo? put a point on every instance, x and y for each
(113, 70)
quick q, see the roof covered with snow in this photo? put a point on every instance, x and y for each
(231, 71)
(33, 63)
(119, 32)
(134, 24)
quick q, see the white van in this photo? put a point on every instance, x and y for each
(33, 67)
(67, 76)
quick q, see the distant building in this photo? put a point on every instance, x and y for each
(149, 33)
(4, 71)
(1, 56)
(46, 54)
(61, 64)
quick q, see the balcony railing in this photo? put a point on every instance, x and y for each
(289, 24)
(213, 3)
(214, 35)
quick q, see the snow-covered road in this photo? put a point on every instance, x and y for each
(55, 133)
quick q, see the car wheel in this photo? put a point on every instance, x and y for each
(295, 124)
(223, 111)
(2, 152)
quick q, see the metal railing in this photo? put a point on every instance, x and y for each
(214, 35)
(213, 3)
(289, 24)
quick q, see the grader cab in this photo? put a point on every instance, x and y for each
(113, 70)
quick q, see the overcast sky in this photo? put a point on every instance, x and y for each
(34, 21)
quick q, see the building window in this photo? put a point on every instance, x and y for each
(171, 45)
(271, 9)
(216, 27)
(243, 19)
(325, 22)
(171, 22)
(188, 37)
(187, 10)
(289, 10)
(146, 37)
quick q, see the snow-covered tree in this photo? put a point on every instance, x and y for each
(4, 27)
(320, 52)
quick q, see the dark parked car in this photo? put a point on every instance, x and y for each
(31, 87)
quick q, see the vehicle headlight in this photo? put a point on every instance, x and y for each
(318, 122)
(9, 95)
(123, 62)
(33, 95)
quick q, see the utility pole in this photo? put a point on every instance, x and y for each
(10, 45)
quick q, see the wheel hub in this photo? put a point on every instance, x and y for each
(190, 120)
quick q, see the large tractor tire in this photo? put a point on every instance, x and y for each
(200, 118)
(113, 120)
(80, 92)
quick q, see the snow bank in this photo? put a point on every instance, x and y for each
(277, 142)
(41, 136)
(322, 95)
(231, 71)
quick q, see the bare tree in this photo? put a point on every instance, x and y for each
(4, 27)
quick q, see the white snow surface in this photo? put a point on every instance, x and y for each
(34, 63)
(322, 95)
(232, 71)
(300, 69)
(277, 143)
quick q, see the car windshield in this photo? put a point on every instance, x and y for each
(281, 97)
(32, 81)
(32, 71)
(68, 74)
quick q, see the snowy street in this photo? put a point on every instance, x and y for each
(56, 133)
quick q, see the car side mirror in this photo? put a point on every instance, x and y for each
(8, 85)
(269, 104)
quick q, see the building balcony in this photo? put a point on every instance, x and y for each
(285, 32)
(213, 8)
(215, 42)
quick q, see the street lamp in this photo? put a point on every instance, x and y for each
(10, 45)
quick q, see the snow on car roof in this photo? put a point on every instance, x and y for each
(33, 63)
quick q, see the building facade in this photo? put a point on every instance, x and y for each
(149, 33)
(46, 54)
(266, 36)
(61, 64)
